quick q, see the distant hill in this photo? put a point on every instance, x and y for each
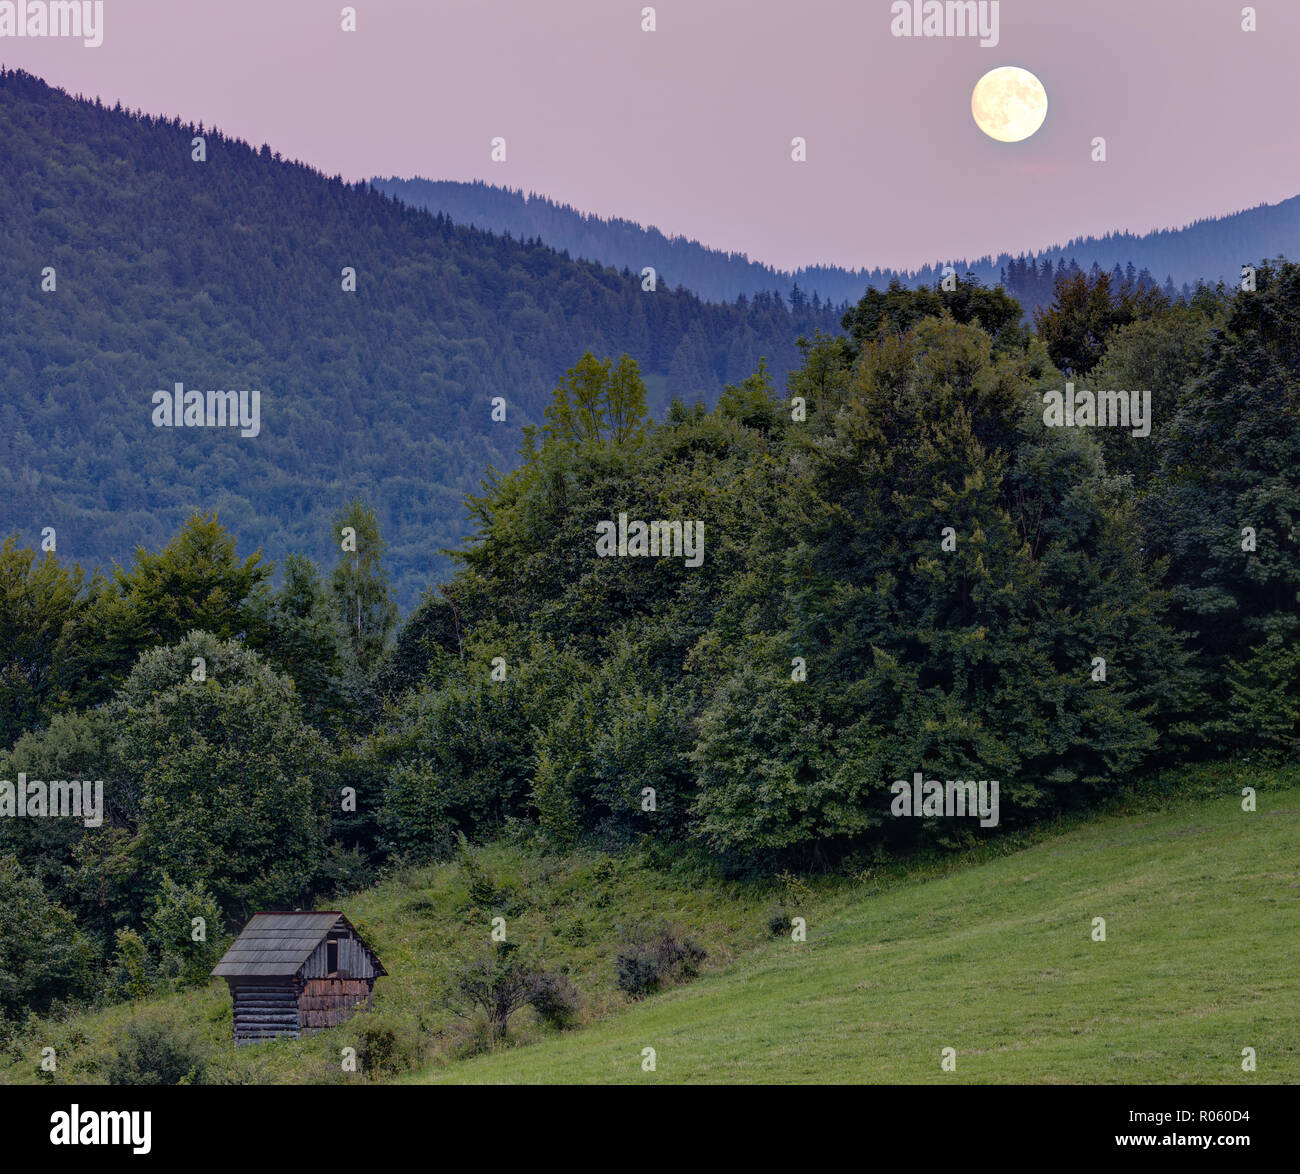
(1209, 250)
(228, 274)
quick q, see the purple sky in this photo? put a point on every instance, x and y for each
(689, 127)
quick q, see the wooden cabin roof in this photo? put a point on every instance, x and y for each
(276, 945)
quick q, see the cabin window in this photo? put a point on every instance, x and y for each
(331, 957)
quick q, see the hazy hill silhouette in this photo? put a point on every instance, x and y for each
(1212, 249)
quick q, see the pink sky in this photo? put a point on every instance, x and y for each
(689, 127)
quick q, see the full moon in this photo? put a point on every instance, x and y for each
(1008, 104)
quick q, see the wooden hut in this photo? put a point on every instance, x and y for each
(292, 974)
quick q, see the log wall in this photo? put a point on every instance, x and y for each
(264, 1010)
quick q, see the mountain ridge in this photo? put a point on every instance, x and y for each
(1223, 244)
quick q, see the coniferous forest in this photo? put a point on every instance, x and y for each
(172, 271)
(1209, 250)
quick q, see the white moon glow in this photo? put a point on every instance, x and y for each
(1008, 104)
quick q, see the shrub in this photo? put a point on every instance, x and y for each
(412, 818)
(43, 955)
(482, 888)
(502, 980)
(606, 741)
(472, 739)
(170, 933)
(574, 931)
(650, 960)
(555, 999)
(383, 1044)
(778, 920)
(132, 975)
(498, 983)
(157, 1050)
(638, 972)
(473, 1039)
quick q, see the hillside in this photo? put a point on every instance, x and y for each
(998, 962)
(990, 954)
(129, 266)
(422, 922)
(1211, 249)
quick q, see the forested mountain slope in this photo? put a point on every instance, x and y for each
(228, 273)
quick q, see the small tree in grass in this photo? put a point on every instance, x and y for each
(498, 983)
(503, 979)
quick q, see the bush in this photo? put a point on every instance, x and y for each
(482, 887)
(473, 1039)
(778, 921)
(497, 983)
(638, 973)
(170, 933)
(606, 741)
(383, 1045)
(555, 999)
(502, 980)
(413, 820)
(157, 1050)
(574, 931)
(132, 975)
(43, 955)
(652, 960)
(471, 742)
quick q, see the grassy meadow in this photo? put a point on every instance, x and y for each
(991, 954)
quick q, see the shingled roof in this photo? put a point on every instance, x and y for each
(277, 944)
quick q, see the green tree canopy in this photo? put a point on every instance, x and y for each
(233, 782)
(360, 584)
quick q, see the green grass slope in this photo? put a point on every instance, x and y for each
(568, 911)
(1201, 959)
(990, 954)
